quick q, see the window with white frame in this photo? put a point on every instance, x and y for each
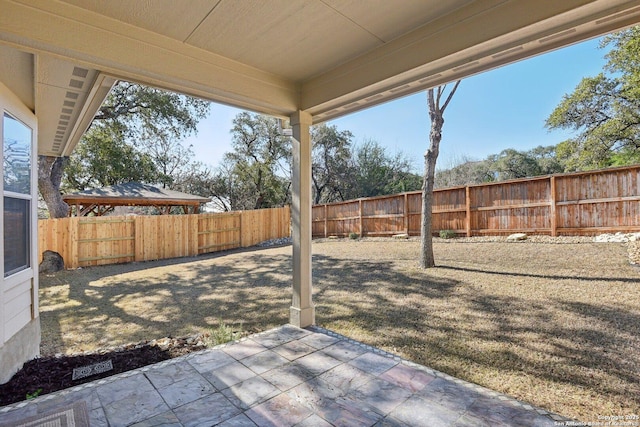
(16, 165)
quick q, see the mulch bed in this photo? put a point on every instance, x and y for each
(48, 374)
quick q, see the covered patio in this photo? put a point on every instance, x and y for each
(283, 377)
(306, 62)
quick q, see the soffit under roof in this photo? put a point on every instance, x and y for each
(64, 96)
(327, 57)
(293, 39)
(67, 98)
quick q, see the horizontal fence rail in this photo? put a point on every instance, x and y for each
(89, 241)
(584, 203)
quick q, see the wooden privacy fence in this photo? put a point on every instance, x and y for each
(87, 241)
(565, 204)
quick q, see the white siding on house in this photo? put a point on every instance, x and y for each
(17, 298)
(19, 323)
(18, 307)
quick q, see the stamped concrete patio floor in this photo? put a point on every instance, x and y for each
(287, 377)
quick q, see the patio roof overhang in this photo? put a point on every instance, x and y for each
(325, 57)
(308, 60)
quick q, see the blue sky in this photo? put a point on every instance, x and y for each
(492, 111)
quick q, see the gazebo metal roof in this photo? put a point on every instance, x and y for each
(100, 201)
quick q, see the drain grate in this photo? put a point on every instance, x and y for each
(96, 368)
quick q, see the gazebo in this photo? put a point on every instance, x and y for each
(100, 201)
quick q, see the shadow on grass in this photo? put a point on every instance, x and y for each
(544, 276)
(459, 328)
(447, 324)
(129, 303)
(533, 339)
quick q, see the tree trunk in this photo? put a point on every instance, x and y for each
(50, 171)
(430, 158)
(436, 114)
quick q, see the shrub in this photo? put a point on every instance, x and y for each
(34, 394)
(354, 236)
(448, 234)
(222, 334)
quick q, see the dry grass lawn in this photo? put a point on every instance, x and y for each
(556, 325)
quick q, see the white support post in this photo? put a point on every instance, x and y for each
(302, 312)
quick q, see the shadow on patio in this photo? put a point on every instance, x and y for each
(562, 340)
(284, 377)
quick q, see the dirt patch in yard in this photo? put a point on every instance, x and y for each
(555, 325)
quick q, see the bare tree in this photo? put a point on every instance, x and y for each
(436, 114)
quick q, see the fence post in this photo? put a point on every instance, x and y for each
(74, 223)
(240, 230)
(194, 221)
(360, 217)
(138, 242)
(325, 220)
(406, 214)
(467, 219)
(552, 206)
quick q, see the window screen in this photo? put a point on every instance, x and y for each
(16, 151)
(16, 235)
(16, 156)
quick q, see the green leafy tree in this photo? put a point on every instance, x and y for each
(156, 121)
(147, 112)
(372, 168)
(331, 164)
(377, 173)
(103, 158)
(547, 159)
(604, 110)
(512, 164)
(403, 181)
(465, 171)
(258, 170)
(509, 164)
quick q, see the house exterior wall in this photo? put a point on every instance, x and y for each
(19, 321)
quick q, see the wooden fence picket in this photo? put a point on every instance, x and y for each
(88, 241)
(581, 203)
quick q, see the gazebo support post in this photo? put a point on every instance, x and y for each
(302, 313)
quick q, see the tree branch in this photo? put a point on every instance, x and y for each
(455, 87)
